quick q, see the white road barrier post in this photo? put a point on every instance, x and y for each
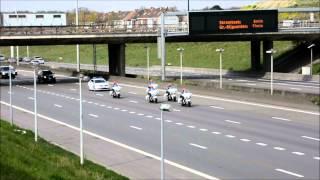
(181, 63)
(311, 57)
(163, 107)
(148, 61)
(35, 104)
(17, 49)
(28, 55)
(220, 50)
(81, 118)
(271, 52)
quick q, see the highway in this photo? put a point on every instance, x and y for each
(312, 87)
(223, 138)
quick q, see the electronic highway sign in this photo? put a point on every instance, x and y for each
(215, 22)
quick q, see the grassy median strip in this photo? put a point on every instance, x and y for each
(22, 158)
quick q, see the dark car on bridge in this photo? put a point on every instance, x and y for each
(46, 76)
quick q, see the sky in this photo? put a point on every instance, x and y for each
(114, 5)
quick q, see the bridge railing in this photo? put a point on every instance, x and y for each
(182, 28)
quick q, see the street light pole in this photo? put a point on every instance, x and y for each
(162, 147)
(163, 107)
(77, 47)
(181, 58)
(148, 61)
(271, 52)
(220, 50)
(28, 51)
(35, 104)
(10, 95)
(81, 118)
(311, 57)
(17, 49)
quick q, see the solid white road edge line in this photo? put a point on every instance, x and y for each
(243, 102)
(307, 137)
(290, 173)
(177, 165)
(282, 119)
(198, 146)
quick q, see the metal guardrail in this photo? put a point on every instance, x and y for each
(182, 28)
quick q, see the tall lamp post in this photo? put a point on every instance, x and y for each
(10, 94)
(35, 102)
(81, 118)
(163, 107)
(77, 47)
(148, 61)
(271, 52)
(181, 58)
(220, 50)
(311, 57)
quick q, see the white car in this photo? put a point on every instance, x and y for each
(2, 58)
(38, 59)
(98, 84)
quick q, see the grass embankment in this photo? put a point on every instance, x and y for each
(22, 158)
(235, 57)
(316, 69)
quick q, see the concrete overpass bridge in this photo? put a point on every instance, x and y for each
(117, 38)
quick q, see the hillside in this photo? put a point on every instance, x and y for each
(272, 4)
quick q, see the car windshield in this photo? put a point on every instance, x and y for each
(5, 68)
(99, 81)
(47, 73)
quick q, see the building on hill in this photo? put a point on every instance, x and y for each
(10, 19)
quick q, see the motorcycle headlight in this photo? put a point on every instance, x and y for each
(45, 77)
(3, 73)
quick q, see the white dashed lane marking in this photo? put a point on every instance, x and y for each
(261, 144)
(140, 114)
(316, 158)
(149, 116)
(251, 84)
(93, 115)
(198, 146)
(234, 122)
(280, 118)
(279, 148)
(192, 127)
(132, 93)
(215, 132)
(176, 110)
(216, 107)
(245, 140)
(290, 173)
(73, 89)
(230, 136)
(312, 138)
(203, 130)
(179, 124)
(134, 102)
(99, 94)
(132, 112)
(57, 105)
(31, 98)
(298, 153)
(169, 121)
(50, 85)
(124, 110)
(137, 128)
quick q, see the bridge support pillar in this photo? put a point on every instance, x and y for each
(117, 59)
(267, 45)
(255, 55)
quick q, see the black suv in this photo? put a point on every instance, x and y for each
(46, 76)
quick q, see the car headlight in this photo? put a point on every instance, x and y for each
(3, 73)
(45, 77)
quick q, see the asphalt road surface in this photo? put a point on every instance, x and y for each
(219, 137)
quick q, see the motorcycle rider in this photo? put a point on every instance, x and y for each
(168, 87)
(182, 93)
